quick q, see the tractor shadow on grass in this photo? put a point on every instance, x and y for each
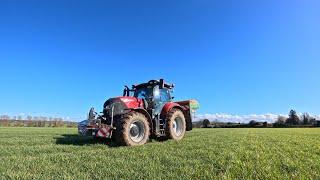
(76, 140)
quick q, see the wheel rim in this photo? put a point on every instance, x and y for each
(137, 131)
(177, 126)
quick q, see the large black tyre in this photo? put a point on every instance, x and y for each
(176, 124)
(132, 130)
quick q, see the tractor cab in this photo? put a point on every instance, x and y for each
(154, 93)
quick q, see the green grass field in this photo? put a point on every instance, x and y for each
(43, 153)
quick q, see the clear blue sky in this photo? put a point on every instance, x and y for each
(60, 57)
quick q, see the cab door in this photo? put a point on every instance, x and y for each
(161, 97)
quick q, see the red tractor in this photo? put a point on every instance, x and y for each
(145, 111)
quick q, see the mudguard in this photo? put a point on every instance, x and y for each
(188, 107)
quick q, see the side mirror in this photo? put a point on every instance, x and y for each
(161, 86)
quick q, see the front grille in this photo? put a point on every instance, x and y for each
(118, 110)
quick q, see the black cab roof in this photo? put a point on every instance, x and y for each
(152, 83)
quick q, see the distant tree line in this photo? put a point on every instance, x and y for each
(216, 124)
(293, 120)
(34, 121)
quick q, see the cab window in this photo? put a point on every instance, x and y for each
(164, 95)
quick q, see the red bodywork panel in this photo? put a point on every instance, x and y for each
(182, 105)
(185, 105)
(132, 102)
(167, 107)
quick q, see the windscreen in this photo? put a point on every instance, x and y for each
(143, 93)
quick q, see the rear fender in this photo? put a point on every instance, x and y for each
(168, 107)
(183, 107)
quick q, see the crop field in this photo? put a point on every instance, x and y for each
(59, 153)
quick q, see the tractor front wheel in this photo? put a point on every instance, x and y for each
(132, 130)
(176, 125)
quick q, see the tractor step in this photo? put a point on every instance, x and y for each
(162, 131)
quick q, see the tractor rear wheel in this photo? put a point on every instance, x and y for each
(176, 125)
(132, 130)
